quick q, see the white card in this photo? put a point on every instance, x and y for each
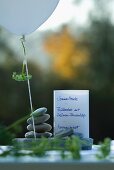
(71, 110)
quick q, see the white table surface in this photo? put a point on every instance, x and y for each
(54, 161)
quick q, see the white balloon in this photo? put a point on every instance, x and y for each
(25, 16)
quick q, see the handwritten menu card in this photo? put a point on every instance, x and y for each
(71, 110)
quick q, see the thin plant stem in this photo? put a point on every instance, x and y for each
(21, 120)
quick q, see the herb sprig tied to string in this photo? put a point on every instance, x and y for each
(23, 75)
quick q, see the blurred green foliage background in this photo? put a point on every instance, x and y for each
(77, 59)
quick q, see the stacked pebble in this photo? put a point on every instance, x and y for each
(42, 129)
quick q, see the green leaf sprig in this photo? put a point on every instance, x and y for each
(104, 149)
(73, 144)
(21, 77)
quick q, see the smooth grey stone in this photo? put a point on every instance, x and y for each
(39, 119)
(44, 127)
(64, 133)
(39, 112)
(38, 135)
(87, 143)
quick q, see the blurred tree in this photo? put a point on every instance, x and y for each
(67, 53)
(7, 56)
(100, 42)
(100, 38)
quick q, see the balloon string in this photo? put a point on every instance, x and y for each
(24, 50)
(23, 45)
(28, 82)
